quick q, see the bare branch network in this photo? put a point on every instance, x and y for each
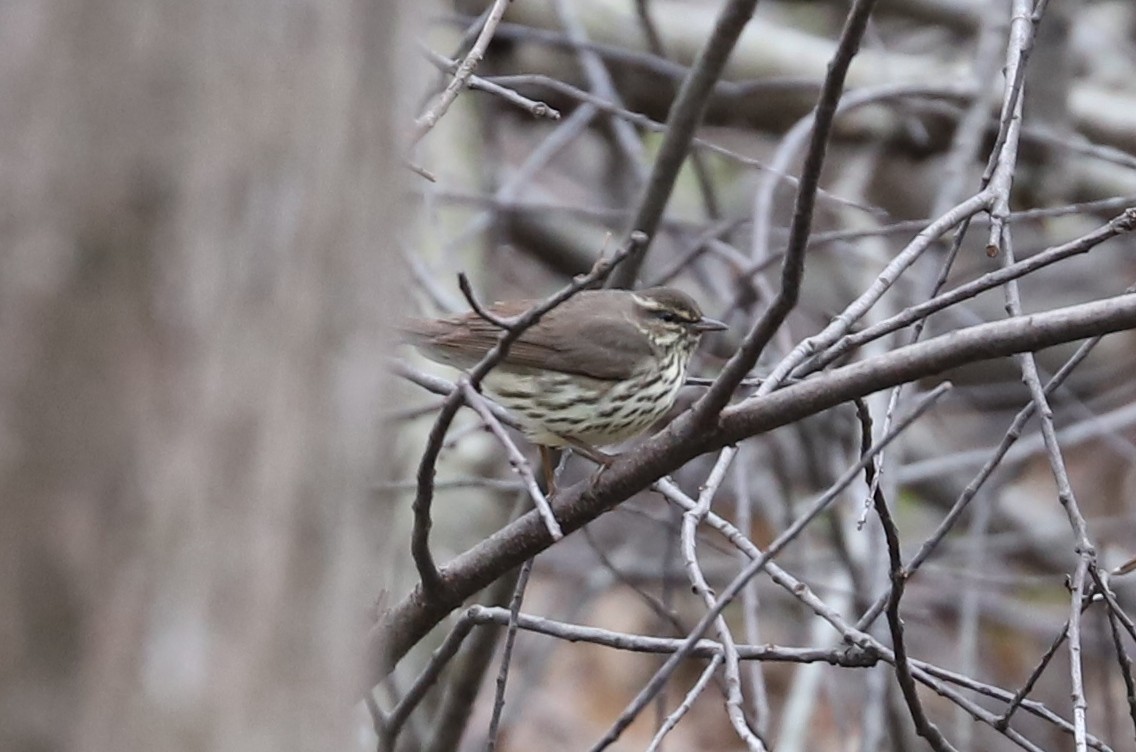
(810, 546)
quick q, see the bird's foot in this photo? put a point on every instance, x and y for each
(601, 458)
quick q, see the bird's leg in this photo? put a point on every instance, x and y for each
(601, 458)
(549, 470)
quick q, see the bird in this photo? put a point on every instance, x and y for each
(600, 368)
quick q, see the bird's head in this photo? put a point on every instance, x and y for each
(670, 317)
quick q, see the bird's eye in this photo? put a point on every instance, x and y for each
(668, 316)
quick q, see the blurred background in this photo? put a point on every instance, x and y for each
(194, 290)
(212, 212)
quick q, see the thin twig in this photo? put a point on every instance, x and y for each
(687, 702)
(420, 171)
(516, 458)
(685, 115)
(659, 608)
(650, 62)
(1121, 224)
(690, 521)
(507, 654)
(1110, 600)
(847, 657)
(471, 668)
(898, 576)
(971, 127)
(1001, 171)
(1125, 665)
(792, 269)
(599, 81)
(428, 677)
(438, 385)
(1123, 661)
(1076, 670)
(1031, 681)
(480, 310)
(449, 719)
(430, 118)
(843, 322)
(565, 132)
(750, 604)
(533, 107)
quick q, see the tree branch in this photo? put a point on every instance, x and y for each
(793, 268)
(408, 621)
(685, 115)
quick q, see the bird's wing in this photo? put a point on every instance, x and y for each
(609, 348)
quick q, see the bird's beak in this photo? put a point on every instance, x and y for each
(708, 325)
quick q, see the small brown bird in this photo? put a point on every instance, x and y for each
(598, 369)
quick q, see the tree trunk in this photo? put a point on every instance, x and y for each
(198, 204)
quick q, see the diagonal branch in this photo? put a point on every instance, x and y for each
(430, 118)
(1118, 225)
(685, 115)
(898, 576)
(793, 267)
